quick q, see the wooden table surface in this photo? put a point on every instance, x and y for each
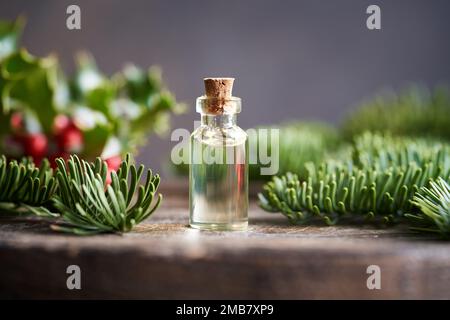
(164, 258)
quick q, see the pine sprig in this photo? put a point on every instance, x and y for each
(381, 151)
(380, 182)
(434, 203)
(23, 185)
(88, 205)
(329, 196)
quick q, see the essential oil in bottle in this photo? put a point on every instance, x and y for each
(218, 172)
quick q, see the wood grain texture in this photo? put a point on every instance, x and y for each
(163, 258)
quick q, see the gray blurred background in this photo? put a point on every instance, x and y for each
(292, 59)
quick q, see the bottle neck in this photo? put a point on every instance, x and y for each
(219, 121)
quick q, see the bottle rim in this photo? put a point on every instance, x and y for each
(214, 105)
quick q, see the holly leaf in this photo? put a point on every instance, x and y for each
(9, 36)
(87, 77)
(30, 82)
(141, 85)
(160, 103)
(101, 98)
(95, 140)
(91, 88)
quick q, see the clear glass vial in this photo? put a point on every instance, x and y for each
(218, 175)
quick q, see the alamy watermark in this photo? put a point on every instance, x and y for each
(73, 21)
(263, 150)
(374, 280)
(373, 21)
(73, 281)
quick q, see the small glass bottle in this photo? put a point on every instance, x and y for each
(218, 172)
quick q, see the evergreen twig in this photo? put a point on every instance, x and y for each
(379, 182)
(88, 205)
(434, 203)
(25, 188)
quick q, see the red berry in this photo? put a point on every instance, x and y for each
(16, 121)
(35, 145)
(61, 123)
(70, 140)
(114, 162)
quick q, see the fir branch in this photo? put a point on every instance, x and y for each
(434, 203)
(88, 205)
(379, 183)
(381, 151)
(24, 186)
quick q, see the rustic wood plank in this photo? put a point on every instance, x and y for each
(163, 258)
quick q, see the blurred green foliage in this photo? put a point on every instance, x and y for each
(415, 112)
(115, 114)
(299, 143)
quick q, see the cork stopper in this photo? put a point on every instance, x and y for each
(220, 88)
(218, 91)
